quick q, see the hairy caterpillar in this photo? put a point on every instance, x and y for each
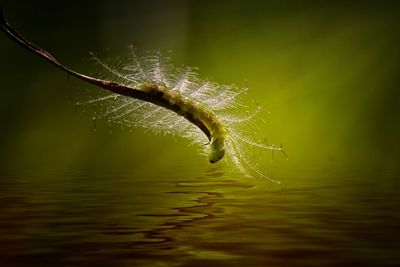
(144, 91)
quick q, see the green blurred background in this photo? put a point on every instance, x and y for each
(326, 73)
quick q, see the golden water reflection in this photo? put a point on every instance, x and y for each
(216, 218)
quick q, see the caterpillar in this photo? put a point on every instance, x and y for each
(151, 93)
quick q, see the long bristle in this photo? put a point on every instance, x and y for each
(226, 101)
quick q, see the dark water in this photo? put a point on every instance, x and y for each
(214, 218)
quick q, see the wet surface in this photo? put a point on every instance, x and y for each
(215, 218)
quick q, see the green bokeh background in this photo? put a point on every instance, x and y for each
(326, 73)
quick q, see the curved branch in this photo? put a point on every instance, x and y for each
(108, 85)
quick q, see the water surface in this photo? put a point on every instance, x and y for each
(213, 218)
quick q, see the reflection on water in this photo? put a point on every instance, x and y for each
(216, 218)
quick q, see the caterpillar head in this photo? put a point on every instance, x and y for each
(217, 150)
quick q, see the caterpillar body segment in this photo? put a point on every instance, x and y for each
(204, 118)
